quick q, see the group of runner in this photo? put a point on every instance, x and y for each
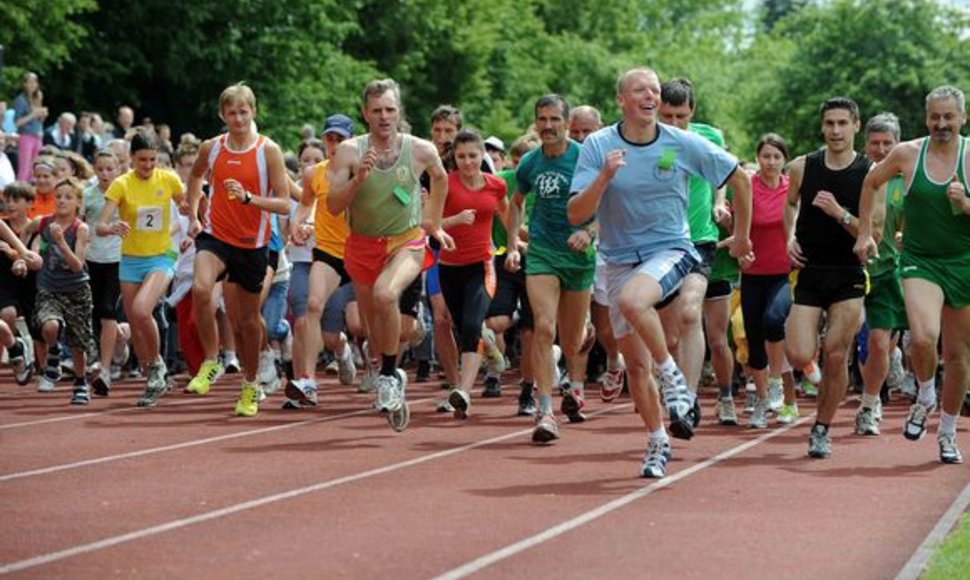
(638, 234)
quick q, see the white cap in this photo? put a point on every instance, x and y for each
(495, 143)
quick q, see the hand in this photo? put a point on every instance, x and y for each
(723, 216)
(234, 189)
(957, 195)
(195, 227)
(615, 159)
(739, 247)
(19, 268)
(825, 201)
(444, 239)
(185, 244)
(465, 218)
(32, 260)
(579, 241)
(513, 261)
(795, 254)
(301, 234)
(367, 162)
(57, 232)
(865, 247)
(120, 229)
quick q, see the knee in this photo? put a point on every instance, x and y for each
(690, 316)
(314, 307)
(50, 330)
(922, 342)
(544, 332)
(384, 299)
(629, 306)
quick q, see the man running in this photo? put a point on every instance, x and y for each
(935, 262)
(375, 178)
(247, 179)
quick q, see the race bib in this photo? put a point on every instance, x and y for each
(149, 219)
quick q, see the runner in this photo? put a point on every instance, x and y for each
(376, 177)
(248, 180)
(823, 195)
(935, 262)
(633, 177)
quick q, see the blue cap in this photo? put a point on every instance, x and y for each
(339, 124)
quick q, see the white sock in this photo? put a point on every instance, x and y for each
(870, 401)
(927, 392)
(658, 435)
(948, 424)
(577, 386)
(668, 366)
(613, 363)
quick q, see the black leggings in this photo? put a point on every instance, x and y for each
(765, 302)
(468, 292)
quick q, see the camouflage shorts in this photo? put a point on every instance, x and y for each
(72, 309)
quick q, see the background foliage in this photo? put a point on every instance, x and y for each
(755, 67)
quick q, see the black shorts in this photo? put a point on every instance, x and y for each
(272, 260)
(718, 289)
(244, 266)
(510, 293)
(707, 252)
(334, 262)
(410, 298)
(822, 287)
(105, 289)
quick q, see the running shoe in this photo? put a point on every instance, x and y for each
(949, 452)
(48, 379)
(346, 368)
(877, 410)
(655, 459)
(915, 426)
(694, 414)
(493, 387)
(909, 388)
(231, 364)
(546, 429)
(572, 406)
(776, 396)
(750, 398)
(302, 391)
(726, 414)
(444, 406)
(368, 384)
(460, 403)
(759, 417)
(267, 376)
(423, 373)
(101, 382)
(80, 395)
(23, 365)
(156, 385)
(896, 371)
(673, 388)
(493, 356)
(390, 395)
(209, 372)
(809, 389)
(611, 385)
(248, 403)
(819, 443)
(788, 413)
(865, 422)
(399, 418)
(527, 402)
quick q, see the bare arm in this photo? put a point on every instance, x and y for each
(102, 228)
(795, 172)
(279, 183)
(199, 169)
(871, 203)
(582, 206)
(346, 174)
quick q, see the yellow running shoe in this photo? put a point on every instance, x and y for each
(248, 403)
(209, 372)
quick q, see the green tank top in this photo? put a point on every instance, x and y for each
(388, 203)
(888, 254)
(932, 229)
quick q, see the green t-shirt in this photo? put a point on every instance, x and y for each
(500, 237)
(701, 197)
(888, 254)
(725, 267)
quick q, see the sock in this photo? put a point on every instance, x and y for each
(725, 392)
(545, 404)
(659, 435)
(17, 350)
(668, 366)
(812, 373)
(613, 363)
(820, 427)
(388, 365)
(577, 386)
(948, 424)
(927, 392)
(229, 354)
(870, 401)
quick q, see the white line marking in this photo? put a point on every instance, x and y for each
(487, 560)
(78, 416)
(260, 502)
(916, 565)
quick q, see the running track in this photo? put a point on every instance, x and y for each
(187, 490)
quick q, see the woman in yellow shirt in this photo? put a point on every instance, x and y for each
(143, 197)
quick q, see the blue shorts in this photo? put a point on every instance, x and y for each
(134, 269)
(431, 277)
(299, 288)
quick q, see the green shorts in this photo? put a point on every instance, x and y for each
(575, 272)
(950, 273)
(885, 307)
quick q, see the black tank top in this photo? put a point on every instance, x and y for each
(824, 241)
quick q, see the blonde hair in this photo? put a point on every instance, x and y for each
(76, 185)
(237, 93)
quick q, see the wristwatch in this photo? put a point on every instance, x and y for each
(249, 198)
(846, 218)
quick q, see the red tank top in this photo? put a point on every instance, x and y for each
(228, 220)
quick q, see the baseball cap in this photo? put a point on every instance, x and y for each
(494, 142)
(339, 124)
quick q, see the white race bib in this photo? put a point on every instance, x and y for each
(149, 219)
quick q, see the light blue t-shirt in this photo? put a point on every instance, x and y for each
(644, 208)
(101, 249)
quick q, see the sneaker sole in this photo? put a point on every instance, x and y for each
(608, 396)
(100, 387)
(914, 437)
(459, 405)
(817, 455)
(400, 419)
(542, 435)
(526, 411)
(572, 409)
(681, 428)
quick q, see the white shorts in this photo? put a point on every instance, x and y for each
(667, 268)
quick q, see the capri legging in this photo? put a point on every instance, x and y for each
(468, 292)
(765, 302)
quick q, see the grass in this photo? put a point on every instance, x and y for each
(952, 559)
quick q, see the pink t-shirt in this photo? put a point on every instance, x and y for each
(768, 228)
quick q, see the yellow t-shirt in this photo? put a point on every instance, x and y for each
(146, 205)
(329, 230)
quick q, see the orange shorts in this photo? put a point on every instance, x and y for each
(365, 257)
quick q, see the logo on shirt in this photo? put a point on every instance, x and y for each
(402, 174)
(550, 185)
(666, 165)
(159, 193)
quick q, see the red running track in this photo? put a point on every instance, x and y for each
(188, 490)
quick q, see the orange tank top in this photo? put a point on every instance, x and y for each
(228, 220)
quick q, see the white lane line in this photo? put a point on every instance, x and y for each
(78, 416)
(187, 444)
(916, 565)
(260, 502)
(479, 564)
